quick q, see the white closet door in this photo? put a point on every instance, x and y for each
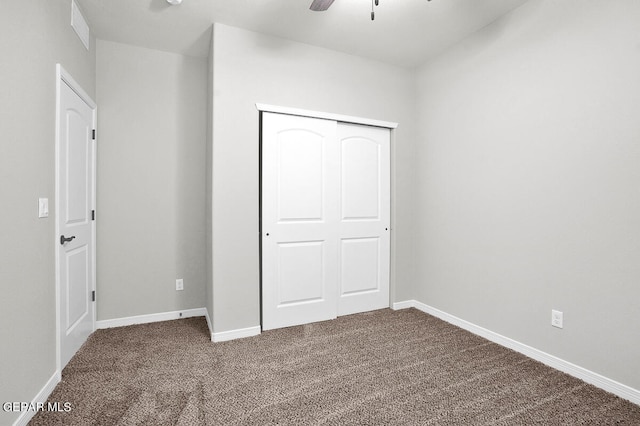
(325, 219)
(363, 279)
(299, 236)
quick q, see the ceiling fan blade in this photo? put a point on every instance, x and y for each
(320, 5)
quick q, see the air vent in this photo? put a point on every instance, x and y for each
(79, 24)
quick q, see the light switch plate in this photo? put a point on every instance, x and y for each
(43, 207)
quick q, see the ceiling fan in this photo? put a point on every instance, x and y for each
(322, 5)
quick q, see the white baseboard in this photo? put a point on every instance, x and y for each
(41, 397)
(209, 324)
(223, 336)
(144, 319)
(403, 305)
(609, 385)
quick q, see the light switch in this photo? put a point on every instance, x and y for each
(43, 207)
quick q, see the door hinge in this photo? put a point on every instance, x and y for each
(93, 215)
(93, 134)
(93, 296)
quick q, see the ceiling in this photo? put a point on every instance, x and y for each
(405, 32)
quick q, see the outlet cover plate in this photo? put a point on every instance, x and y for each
(556, 318)
(179, 284)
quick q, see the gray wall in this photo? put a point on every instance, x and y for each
(152, 127)
(250, 68)
(34, 36)
(528, 181)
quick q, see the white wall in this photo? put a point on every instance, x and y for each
(249, 68)
(152, 124)
(34, 36)
(529, 181)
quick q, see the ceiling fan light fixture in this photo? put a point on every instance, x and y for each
(174, 2)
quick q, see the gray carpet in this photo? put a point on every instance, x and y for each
(383, 367)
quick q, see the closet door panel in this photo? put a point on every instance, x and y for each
(363, 226)
(299, 244)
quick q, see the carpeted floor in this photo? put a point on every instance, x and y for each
(383, 367)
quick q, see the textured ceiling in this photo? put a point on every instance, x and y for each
(405, 32)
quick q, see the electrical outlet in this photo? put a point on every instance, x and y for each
(556, 318)
(180, 284)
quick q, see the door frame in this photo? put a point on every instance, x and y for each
(63, 77)
(392, 126)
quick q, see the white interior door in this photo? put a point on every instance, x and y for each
(363, 281)
(299, 242)
(325, 219)
(75, 202)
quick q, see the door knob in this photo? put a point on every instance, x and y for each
(63, 239)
